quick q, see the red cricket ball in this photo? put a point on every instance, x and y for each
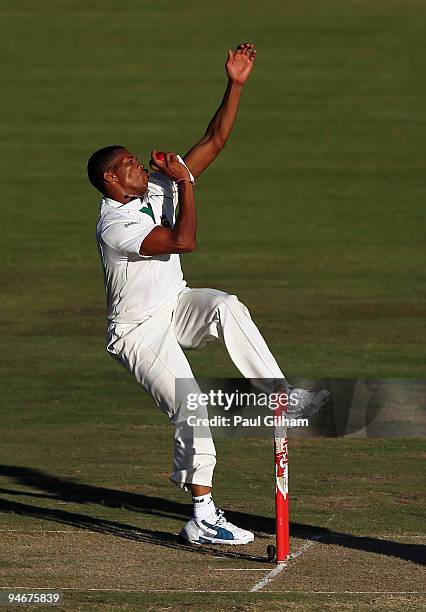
(160, 156)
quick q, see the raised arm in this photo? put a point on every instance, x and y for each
(238, 68)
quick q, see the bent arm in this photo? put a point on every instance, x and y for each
(180, 239)
(238, 67)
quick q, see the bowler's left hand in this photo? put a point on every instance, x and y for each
(240, 63)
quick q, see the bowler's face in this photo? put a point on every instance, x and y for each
(131, 175)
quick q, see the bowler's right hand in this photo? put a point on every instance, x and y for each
(170, 166)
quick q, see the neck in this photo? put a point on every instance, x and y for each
(122, 196)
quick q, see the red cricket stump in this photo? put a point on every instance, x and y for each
(282, 522)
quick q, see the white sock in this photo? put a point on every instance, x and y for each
(203, 506)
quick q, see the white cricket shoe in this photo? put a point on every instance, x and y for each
(304, 404)
(215, 530)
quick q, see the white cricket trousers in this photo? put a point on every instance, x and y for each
(152, 351)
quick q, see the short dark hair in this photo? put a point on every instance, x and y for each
(101, 161)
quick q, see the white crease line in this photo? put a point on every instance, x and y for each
(268, 578)
(236, 569)
(42, 531)
(82, 590)
(282, 566)
(277, 570)
(304, 547)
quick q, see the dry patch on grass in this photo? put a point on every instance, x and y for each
(335, 502)
(89, 560)
(341, 567)
(153, 602)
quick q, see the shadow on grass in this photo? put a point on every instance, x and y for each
(55, 488)
(121, 530)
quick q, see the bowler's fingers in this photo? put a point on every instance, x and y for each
(170, 157)
(160, 164)
(156, 163)
(247, 49)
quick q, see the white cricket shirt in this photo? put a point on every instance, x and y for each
(137, 285)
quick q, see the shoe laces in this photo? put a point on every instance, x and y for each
(221, 520)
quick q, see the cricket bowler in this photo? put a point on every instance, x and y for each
(146, 221)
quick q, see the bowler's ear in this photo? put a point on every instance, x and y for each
(109, 177)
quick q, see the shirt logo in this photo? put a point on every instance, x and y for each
(148, 210)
